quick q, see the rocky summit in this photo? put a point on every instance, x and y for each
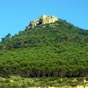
(42, 20)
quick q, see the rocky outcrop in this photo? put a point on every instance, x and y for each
(43, 20)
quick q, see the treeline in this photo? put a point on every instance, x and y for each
(69, 60)
(53, 50)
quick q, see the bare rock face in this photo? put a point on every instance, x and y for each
(42, 20)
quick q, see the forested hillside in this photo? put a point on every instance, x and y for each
(57, 49)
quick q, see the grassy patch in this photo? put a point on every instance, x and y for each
(19, 82)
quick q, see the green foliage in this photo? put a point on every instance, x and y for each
(52, 50)
(47, 34)
(46, 61)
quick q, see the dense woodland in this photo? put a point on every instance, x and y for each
(57, 49)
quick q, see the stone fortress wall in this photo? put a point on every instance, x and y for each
(43, 20)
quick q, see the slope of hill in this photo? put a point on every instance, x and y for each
(57, 49)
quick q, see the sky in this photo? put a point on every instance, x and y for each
(15, 15)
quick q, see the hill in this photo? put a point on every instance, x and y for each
(53, 49)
